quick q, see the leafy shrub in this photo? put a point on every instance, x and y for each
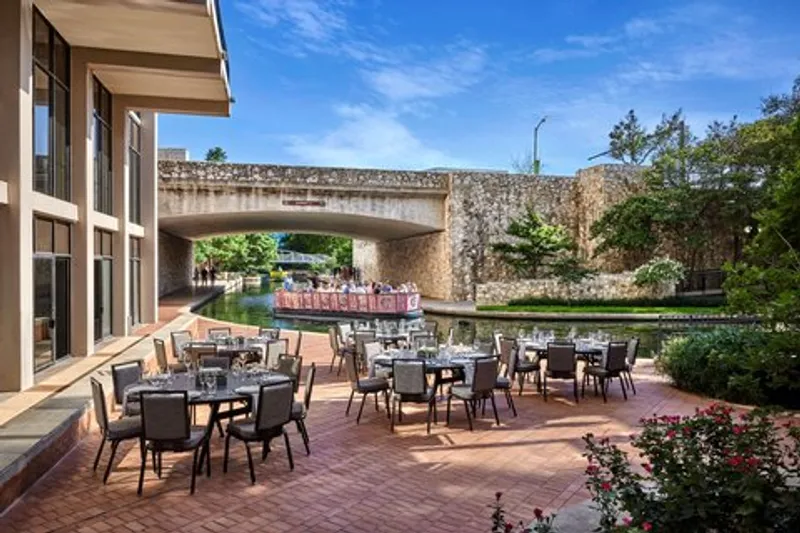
(737, 364)
(701, 473)
(673, 301)
(662, 270)
(542, 523)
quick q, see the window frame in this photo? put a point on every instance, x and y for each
(134, 179)
(102, 128)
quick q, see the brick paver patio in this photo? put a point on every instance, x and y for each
(359, 478)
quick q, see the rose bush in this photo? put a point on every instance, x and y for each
(710, 472)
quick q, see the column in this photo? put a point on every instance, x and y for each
(120, 313)
(82, 138)
(16, 218)
(149, 216)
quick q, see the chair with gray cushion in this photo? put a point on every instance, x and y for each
(273, 412)
(484, 379)
(359, 339)
(337, 348)
(364, 386)
(630, 361)
(179, 340)
(215, 361)
(520, 367)
(193, 352)
(223, 331)
(300, 408)
(166, 428)
(291, 366)
(123, 375)
(614, 366)
(114, 431)
(161, 358)
(561, 364)
(410, 385)
(275, 349)
(505, 378)
(269, 333)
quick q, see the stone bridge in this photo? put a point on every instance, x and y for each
(432, 228)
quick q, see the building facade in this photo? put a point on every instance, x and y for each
(82, 85)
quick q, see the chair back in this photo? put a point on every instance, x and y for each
(291, 366)
(122, 375)
(274, 405)
(214, 333)
(363, 337)
(308, 385)
(632, 350)
(344, 329)
(485, 375)
(497, 338)
(161, 354)
(513, 357)
(616, 355)
(270, 333)
(424, 341)
(215, 361)
(195, 351)
(99, 400)
(274, 351)
(299, 343)
(431, 327)
(165, 415)
(333, 339)
(179, 340)
(408, 376)
(352, 368)
(561, 358)
(371, 349)
(506, 347)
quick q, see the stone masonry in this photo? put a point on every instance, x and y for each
(175, 263)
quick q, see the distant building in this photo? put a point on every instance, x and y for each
(476, 170)
(173, 154)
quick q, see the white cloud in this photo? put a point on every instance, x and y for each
(642, 27)
(306, 19)
(368, 138)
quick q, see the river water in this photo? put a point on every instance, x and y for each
(254, 307)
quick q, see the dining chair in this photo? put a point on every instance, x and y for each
(215, 361)
(213, 333)
(113, 431)
(270, 333)
(503, 382)
(360, 338)
(123, 375)
(274, 350)
(273, 412)
(338, 349)
(630, 361)
(482, 385)
(410, 385)
(161, 358)
(561, 364)
(166, 428)
(613, 366)
(179, 339)
(364, 386)
(291, 366)
(519, 366)
(193, 352)
(300, 408)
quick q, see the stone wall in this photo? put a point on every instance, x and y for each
(365, 257)
(600, 287)
(175, 263)
(424, 259)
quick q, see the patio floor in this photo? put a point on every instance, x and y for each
(359, 478)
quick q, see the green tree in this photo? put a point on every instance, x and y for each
(246, 253)
(216, 155)
(339, 248)
(631, 143)
(534, 242)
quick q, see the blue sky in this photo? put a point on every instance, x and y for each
(414, 84)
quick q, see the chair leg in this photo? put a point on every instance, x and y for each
(288, 449)
(194, 469)
(400, 411)
(264, 451)
(538, 381)
(603, 388)
(114, 444)
(160, 456)
(469, 416)
(430, 408)
(521, 383)
(155, 464)
(594, 378)
(583, 385)
(622, 384)
(630, 380)
(483, 407)
(386, 401)
(250, 463)
(143, 454)
(301, 428)
(361, 408)
(494, 408)
(391, 416)
(510, 402)
(227, 449)
(544, 387)
(447, 420)
(349, 403)
(219, 428)
(333, 361)
(99, 452)
(376, 403)
(435, 413)
(575, 388)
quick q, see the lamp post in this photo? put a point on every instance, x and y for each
(536, 163)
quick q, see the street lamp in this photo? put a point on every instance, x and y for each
(536, 163)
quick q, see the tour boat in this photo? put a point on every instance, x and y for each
(347, 305)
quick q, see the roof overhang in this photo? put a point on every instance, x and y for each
(150, 50)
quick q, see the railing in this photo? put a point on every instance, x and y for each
(394, 303)
(702, 281)
(222, 38)
(286, 257)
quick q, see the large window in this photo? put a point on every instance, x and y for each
(103, 183)
(135, 166)
(136, 281)
(51, 151)
(52, 245)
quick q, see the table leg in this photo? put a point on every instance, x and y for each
(213, 419)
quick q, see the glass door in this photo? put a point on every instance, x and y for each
(43, 320)
(102, 298)
(61, 305)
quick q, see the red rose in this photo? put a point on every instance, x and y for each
(538, 513)
(647, 467)
(671, 434)
(592, 469)
(647, 526)
(606, 486)
(509, 527)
